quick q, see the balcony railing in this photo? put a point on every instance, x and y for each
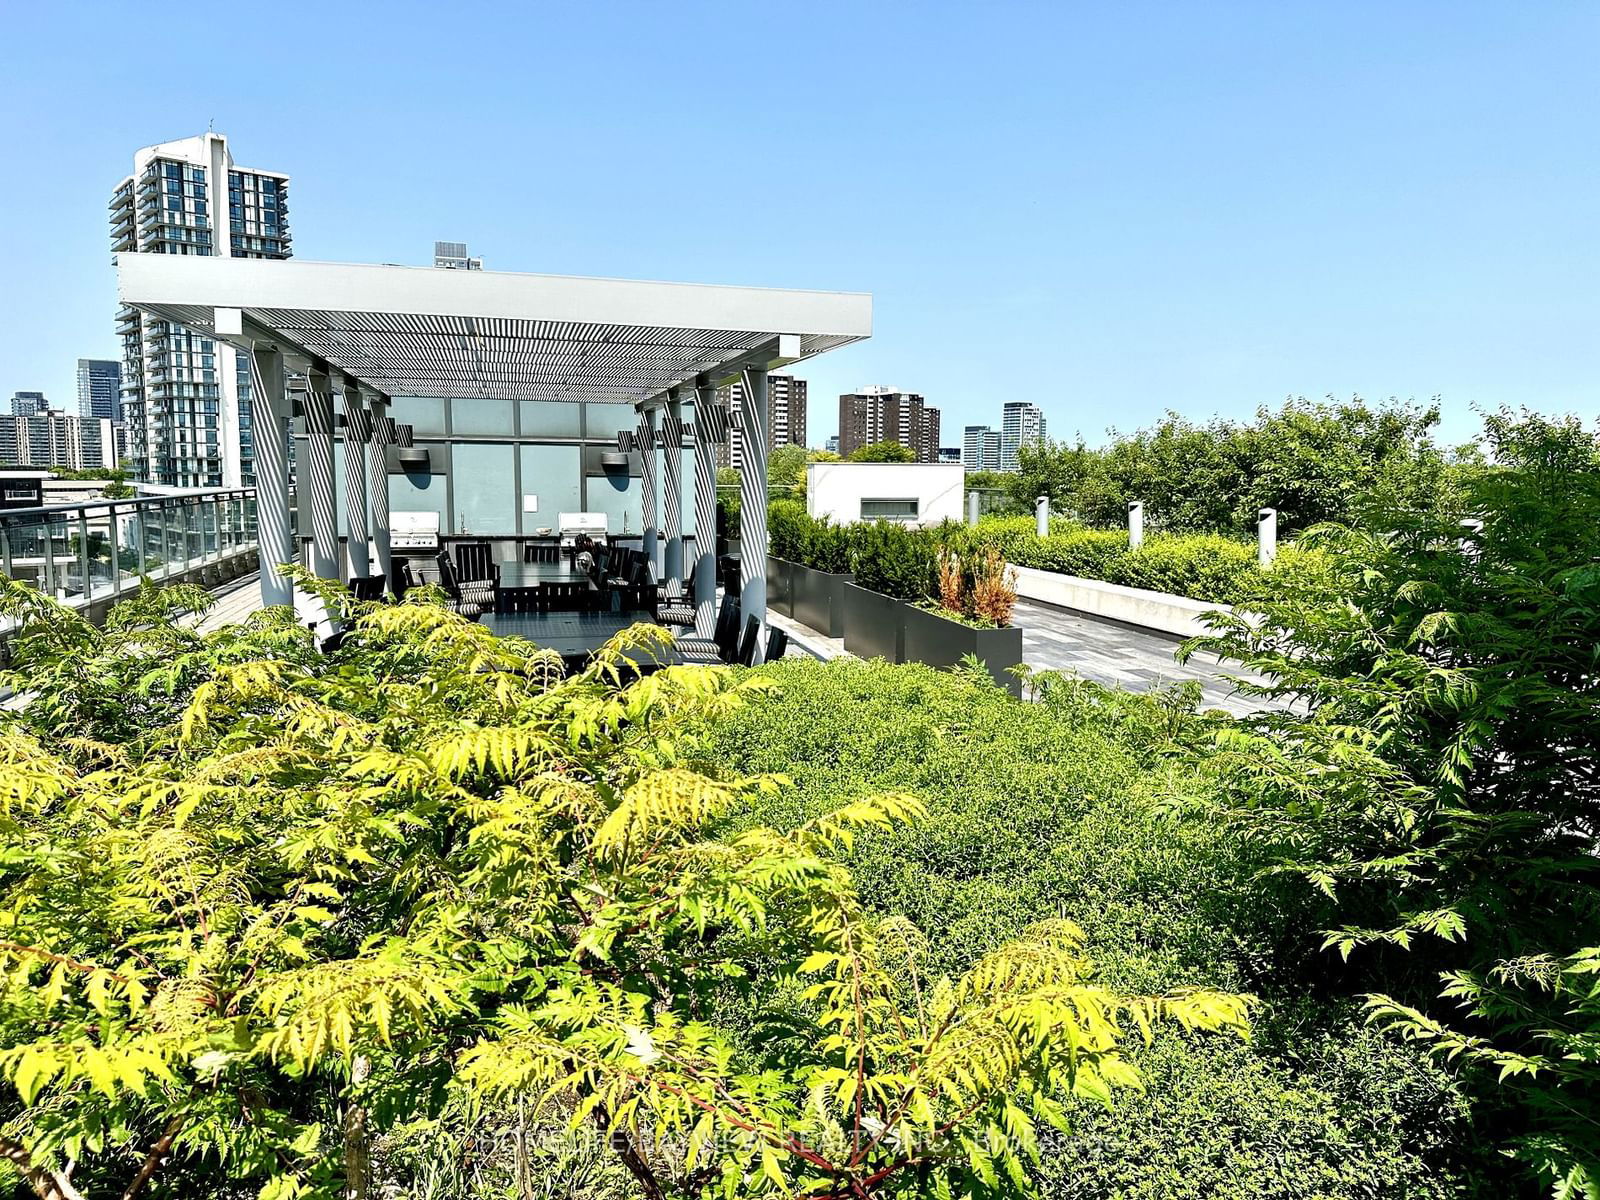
(84, 553)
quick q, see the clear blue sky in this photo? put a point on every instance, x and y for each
(1111, 209)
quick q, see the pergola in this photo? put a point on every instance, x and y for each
(369, 333)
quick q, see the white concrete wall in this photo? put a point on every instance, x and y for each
(1134, 606)
(834, 491)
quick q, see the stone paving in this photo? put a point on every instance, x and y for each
(1117, 656)
(235, 602)
(1136, 660)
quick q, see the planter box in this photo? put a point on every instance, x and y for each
(818, 598)
(780, 585)
(874, 624)
(941, 642)
(1176, 615)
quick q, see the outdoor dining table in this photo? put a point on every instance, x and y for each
(577, 635)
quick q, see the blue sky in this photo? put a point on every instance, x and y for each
(1110, 209)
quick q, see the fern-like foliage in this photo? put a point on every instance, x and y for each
(258, 904)
(1435, 783)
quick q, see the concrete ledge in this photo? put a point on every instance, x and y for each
(1162, 611)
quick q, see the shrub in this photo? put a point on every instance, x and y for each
(1068, 805)
(1347, 1115)
(1204, 566)
(787, 528)
(951, 581)
(1201, 566)
(428, 870)
(893, 559)
(993, 596)
(827, 548)
(1313, 462)
(1445, 694)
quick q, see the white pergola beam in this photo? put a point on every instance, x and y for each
(256, 284)
(421, 331)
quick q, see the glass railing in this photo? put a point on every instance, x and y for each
(84, 553)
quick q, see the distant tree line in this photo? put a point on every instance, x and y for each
(1313, 461)
(117, 487)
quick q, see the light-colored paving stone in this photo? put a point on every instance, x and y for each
(1116, 656)
(235, 602)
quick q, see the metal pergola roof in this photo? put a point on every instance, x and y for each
(424, 331)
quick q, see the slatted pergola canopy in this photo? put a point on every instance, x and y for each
(423, 331)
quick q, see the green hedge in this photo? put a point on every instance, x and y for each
(900, 561)
(1201, 566)
(1066, 806)
(883, 555)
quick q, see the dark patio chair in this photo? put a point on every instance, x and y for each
(777, 645)
(636, 598)
(676, 606)
(708, 651)
(541, 552)
(469, 599)
(367, 587)
(567, 597)
(404, 581)
(520, 600)
(475, 562)
(748, 643)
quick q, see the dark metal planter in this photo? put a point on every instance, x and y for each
(874, 624)
(941, 642)
(780, 585)
(819, 599)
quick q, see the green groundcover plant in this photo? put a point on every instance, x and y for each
(1095, 802)
(265, 913)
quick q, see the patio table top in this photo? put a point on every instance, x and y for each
(577, 635)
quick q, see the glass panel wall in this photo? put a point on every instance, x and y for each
(617, 495)
(492, 418)
(552, 418)
(419, 492)
(485, 489)
(424, 413)
(550, 485)
(503, 469)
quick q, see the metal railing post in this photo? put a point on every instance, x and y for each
(166, 539)
(49, 559)
(138, 535)
(83, 555)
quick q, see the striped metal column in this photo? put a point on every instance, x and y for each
(646, 438)
(672, 487)
(274, 537)
(710, 427)
(753, 507)
(318, 480)
(357, 438)
(378, 486)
